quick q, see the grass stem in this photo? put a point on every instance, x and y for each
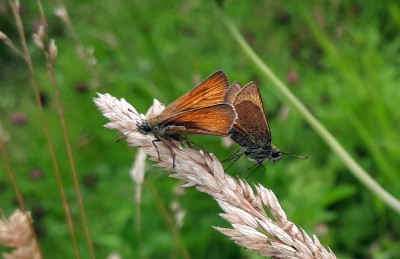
(329, 139)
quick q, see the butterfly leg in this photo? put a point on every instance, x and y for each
(189, 143)
(172, 153)
(258, 164)
(168, 146)
(173, 156)
(154, 144)
(235, 157)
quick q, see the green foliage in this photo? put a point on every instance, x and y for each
(345, 56)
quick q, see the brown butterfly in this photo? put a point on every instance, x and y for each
(251, 129)
(201, 111)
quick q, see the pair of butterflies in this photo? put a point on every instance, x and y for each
(217, 108)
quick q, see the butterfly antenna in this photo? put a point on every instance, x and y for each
(130, 110)
(123, 136)
(298, 156)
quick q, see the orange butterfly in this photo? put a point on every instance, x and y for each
(201, 111)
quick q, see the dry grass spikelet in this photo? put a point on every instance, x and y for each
(16, 233)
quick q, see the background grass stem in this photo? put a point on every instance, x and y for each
(330, 140)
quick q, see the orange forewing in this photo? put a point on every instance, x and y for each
(208, 93)
(201, 111)
(213, 120)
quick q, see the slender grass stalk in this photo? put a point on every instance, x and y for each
(330, 140)
(137, 173)
(357, 87)
(51, 57)
(169, 221)
(28, 59)
(11, 175)
(20, 199)
(49, 50)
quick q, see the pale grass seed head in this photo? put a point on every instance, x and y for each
(4, 135)
(24, 252)
(3, 36)
(61, 12)
(53, 50)
(114, 255)
(177, 211)
(38, 38)
(16, 233)
(16, 4)
(137, 174)
(244, 208)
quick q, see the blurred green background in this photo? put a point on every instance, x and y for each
(340, 58)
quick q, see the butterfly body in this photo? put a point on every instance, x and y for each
(162, 131)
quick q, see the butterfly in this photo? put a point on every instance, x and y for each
(203, 111)
(251, 129)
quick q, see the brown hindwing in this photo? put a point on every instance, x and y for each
(232, 93)
(251, 117)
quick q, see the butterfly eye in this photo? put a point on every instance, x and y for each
(144, 127)
(276, 154)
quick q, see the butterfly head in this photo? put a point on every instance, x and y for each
(144, 127)
(276, 154)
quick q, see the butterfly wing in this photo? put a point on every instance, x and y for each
(208, 93)
(213, 120)
(232, 93)
(251, 119)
